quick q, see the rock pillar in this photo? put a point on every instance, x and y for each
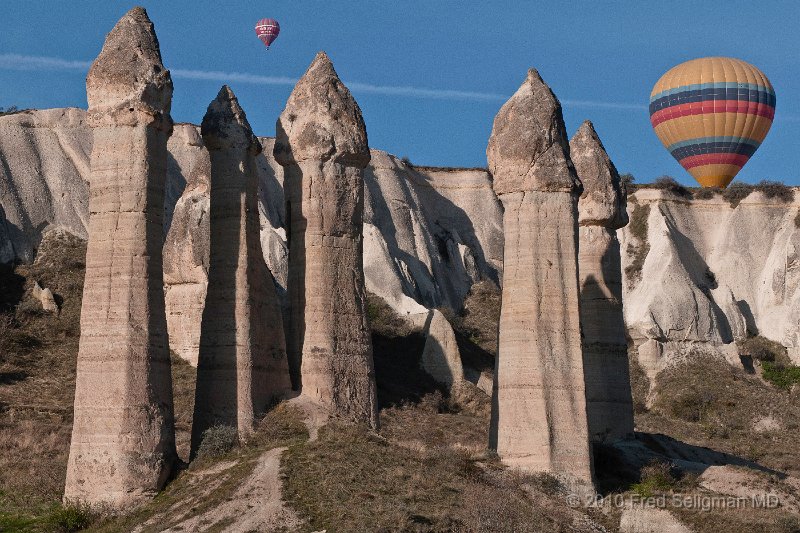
(601, 211)
(321, 142)
(242, 363)
(123, 438)
(539, 404)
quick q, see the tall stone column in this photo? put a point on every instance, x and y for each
(123, 438)
(242, 363)
(539, 408)
(601, 211)
(321, 142)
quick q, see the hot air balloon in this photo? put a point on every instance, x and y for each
(712, 114)
(267, 30)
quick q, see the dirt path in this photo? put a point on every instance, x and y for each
(256, 505)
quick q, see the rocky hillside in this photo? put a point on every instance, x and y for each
(701, 428)
(711, 431)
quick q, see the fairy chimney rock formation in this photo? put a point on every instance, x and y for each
(539, 405)
(123, 442)
(601, 211)
(321, 142)
(242, 364)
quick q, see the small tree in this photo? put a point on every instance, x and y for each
(627, 183)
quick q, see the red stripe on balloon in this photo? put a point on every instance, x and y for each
(712, 106)
(713, 159)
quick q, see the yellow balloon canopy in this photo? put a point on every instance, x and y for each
(712, 114)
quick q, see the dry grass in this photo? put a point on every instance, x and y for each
(638, 227)
(762, 349)
(383, 320)
(706, 402)
(434, 422)
(38, 352)
(352, 479)
(38, 355)
(211, 481)
(481, 315)
(183, 380)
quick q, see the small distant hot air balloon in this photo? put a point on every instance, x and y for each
(267, 30)
(712, 114)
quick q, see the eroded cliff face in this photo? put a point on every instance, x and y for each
(707, 273)
(428, 233)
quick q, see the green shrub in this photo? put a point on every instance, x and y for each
(655, 477)
(669, 184)
(706, 193)
(762, 349)
(692, 405)
(780, 375)
(69, 518)
(775, 189)
(736, 192)
(218, 441)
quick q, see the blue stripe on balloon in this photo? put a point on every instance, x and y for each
(714, 148)
(760, 96)
(719, 139)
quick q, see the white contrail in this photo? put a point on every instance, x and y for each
(20, 62)
(42, 63)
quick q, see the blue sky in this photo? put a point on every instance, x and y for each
(429, 75)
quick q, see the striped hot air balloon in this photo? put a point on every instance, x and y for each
(267, 31)
(712, 114)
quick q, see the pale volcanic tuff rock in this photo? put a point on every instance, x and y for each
(123, 439)
(429, 232)
(440, 356)
(539, 406)
(242, 364)
(186, 254)
(44, 172)
(45, 297)
(714, 273)
(601, 211)
(322, 145)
